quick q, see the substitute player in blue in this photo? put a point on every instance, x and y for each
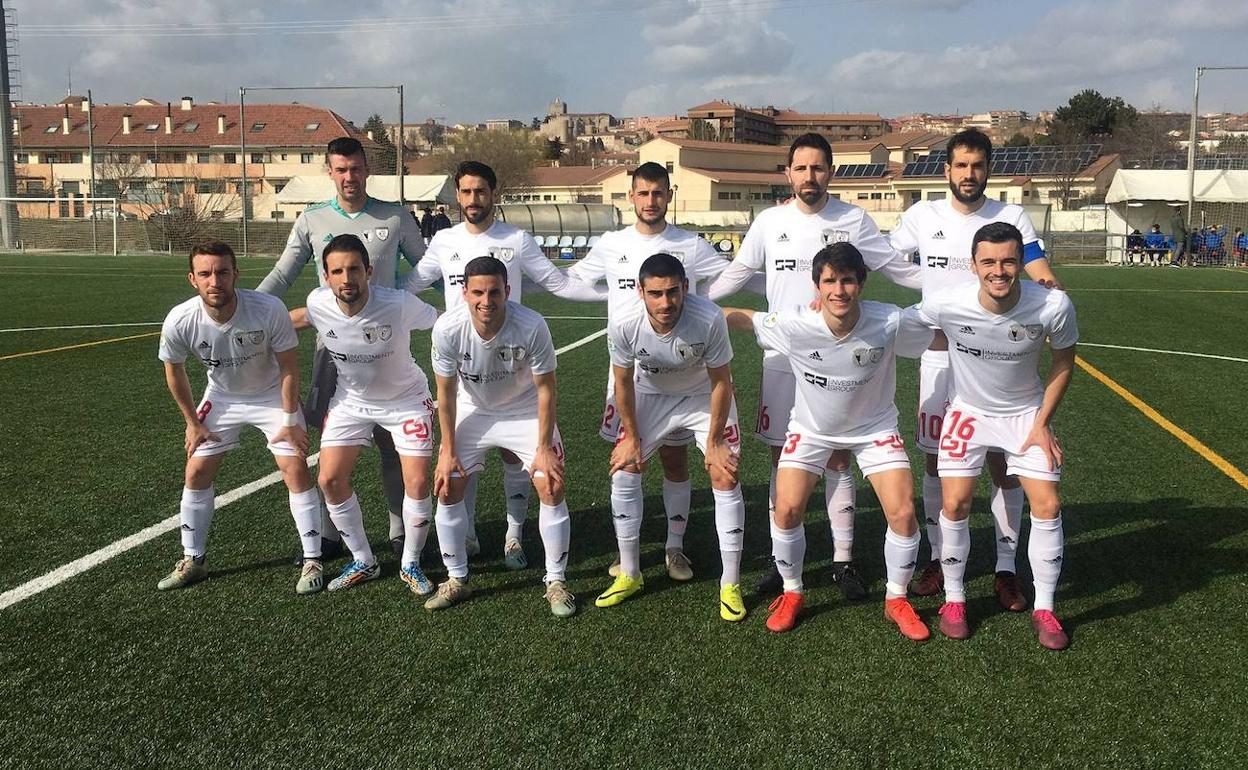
(388, 231)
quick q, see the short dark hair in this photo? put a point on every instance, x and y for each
(345, 242)
(652, 172)
(997, 232)
(971, 139)
(661, 265)
(212, 248)
(346, 146)
(811, 140)
(842, 257)
(476, 168)
(485, 266)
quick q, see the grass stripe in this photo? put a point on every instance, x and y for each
(79, 345)
(1193, 443)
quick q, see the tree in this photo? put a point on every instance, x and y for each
(433, 132)
(512, 155)
(383, 158)
(554, 148)
(1018, 140)
(700, 129)
(1089, 115)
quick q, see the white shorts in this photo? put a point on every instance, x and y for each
(776, 393)
(659, 416)
(476, 432)
(350, 423)
(609, 428)
(808, 451)
(969, 436)
(227, 418)
(935, 395)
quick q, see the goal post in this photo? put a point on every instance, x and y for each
(69, 224)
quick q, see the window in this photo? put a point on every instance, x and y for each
(877, 196)
(203, 157)
(936, 196)
(152, 127)
(837, 196)
(23, 157)
(729, 196)
(863, 196)
(74, 157)
(257, 127)
(548, 197)
(618, 196)
(51, 157)
(1026, 193)
(230, 157)
(152, 158)
(257, 157)
(890, 196)
(209, 186)
(191, 127)
(35, 186)
(175, 187)
(1003, 197)
(70, 188)
(305, 158)
(283, 156)
(279, 214)
(311, 126)
(51, 129)
(670, 166)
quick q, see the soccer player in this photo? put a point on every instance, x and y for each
(996, 330)
(388, 231)
(670, 357)
(615, 260)
(502, 353)
(782, 241)
(843, 357)
(367, 332)
(250, 350)
(482, 234)
(941, 232)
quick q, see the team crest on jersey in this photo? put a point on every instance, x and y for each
(367, 236)
(691, 350)
(503, 253)
(678, 254)
(254, 337)
(770, 320)
(835, 236)
(868, 356)
(510, 353)
(383, 233)
(1034, 331)
(380, 332)
(1017, 332)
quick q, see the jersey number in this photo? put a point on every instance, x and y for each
(958, 432)
(764, 420)
(929, 425)
(791, 446)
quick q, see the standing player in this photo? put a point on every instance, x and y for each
(480, 234)
(670, 357)
(250, 350)
(941, 231)
(782, 242)
(367, 332)
(503, 354)
(843, 358)
(387, 231)
(997, 329)
(615, 260)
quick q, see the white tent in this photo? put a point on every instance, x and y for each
(313, 188)
(1137, 185)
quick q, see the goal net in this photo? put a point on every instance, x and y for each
(72, 224)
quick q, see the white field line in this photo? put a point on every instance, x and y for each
(1167, 352)
(95, 558)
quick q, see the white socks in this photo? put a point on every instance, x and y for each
(556, 528)
(416, 515)
(1044, 550)
(771, 494)
(953, 553)
(676, 495)
(901, 553)
(452, 524)
(933, 500)
(470, 508)
(730, 524)
(196, 514)
(626, 507)
(349, 519)
(1007, 519)
(839, 492)
(305, 508)
(516, 486)
(788, 546)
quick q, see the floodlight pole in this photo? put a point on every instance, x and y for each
(242, 157)
(1192, 139)
(91, 180)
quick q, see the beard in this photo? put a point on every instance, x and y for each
(809, 197)
(967, 199)
(657, 218)
(479, 216)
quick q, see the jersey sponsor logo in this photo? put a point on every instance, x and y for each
(455, 279)
(628, 283)
(383, 233)
(868, 356)
(418, 429)
(688, 351)
(892, 442)
(969, 351)
(381, 332)
(835, 236)
(786, 264)
(815, 379)
(255, 337)
(814, 356)
(784, 238)
(966, 330)
(503, 253)
(934, 261)
(938, 235)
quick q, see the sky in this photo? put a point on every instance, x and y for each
(472, 60)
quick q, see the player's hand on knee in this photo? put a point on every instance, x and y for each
(547, 469)
(197, 434)
(1042, 436)
(722, 458)
(448, 464)
(294, 435)
(626, 456)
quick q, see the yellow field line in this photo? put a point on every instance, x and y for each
(79, 345)
(1191, 441)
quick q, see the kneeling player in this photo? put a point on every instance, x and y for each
(671, 357)
(367, 331)
(997, 329)
(249, 347)
(843, 358)
(502, 352)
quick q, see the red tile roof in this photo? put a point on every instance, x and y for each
(285, 125)
(791, 116)
(715, 105)
(866, 145)
(744, 176)
(699, 144)
(572, 176)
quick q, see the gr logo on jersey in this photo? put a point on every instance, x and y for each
(835, 236)
(382, 332)
(255, 337)
(786, 264)
(628, 283)
(1029, 331)
(868, 356)
(503, 253)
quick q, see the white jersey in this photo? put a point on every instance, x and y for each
(845, 387)
(783, 242)
(617, 258)
(672, 364)
(495, 375)
(453, 248)
(239, 354)
(942, 236)
(995, 358)
(372, 350)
